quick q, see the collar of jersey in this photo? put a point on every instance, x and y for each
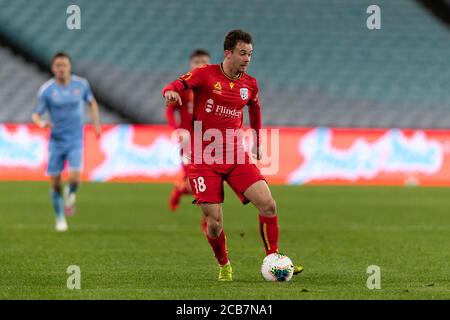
(221, 69)
(64, 86)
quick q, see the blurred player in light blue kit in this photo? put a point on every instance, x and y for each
(64, 97)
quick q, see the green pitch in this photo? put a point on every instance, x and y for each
(129, 246)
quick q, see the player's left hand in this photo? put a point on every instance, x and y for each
(257, 152)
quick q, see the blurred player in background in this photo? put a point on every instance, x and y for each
(64, 97)
(221, 92)
(198, 58)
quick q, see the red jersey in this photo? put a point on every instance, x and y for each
(184, 111)
(219, 100)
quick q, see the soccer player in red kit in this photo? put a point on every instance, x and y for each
(221, 91)
(198, 58)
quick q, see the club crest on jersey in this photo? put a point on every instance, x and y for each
(209, 105)
(244, 93)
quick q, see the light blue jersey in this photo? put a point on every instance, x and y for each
(65, 105)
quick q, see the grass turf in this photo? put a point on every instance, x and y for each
(129, 246)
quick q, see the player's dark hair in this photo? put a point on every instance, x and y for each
(198, 53)
(235, 36)
(60, 55)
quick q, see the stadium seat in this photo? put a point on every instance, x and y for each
(20, 82)
(315, 60)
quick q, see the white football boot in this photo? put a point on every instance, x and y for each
(61, 225)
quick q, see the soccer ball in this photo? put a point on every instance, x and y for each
(277, 267)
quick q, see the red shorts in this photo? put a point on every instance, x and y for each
(207, 180)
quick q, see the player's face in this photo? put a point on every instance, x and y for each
(61, 68)
(199, 61)
(241, 55)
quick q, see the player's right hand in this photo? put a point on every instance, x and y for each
(171, 97)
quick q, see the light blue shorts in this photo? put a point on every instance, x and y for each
(59, 154)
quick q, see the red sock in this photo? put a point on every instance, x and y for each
(268, 228)
(219, 246)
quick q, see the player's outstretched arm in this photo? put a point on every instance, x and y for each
(190, 80)
(93, 105)
(41, 123)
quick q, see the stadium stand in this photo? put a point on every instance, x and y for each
(316, 61)
(20, 81)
